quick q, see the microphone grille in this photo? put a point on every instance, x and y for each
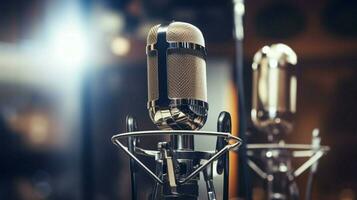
(178, 67)
(188, 80)
(153, 79)
(186, 73)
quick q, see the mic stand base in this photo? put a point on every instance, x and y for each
(177, 170)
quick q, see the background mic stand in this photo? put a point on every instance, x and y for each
(177, 169)
(130, 127)
(279, 173)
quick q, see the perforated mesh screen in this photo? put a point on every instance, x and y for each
(186, 72)
(187, 77)
(153, 83)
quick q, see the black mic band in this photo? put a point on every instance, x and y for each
(179, 102)
(162, 45)
(180, 47)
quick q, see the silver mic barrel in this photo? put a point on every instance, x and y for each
(176, 66)
(274, 88)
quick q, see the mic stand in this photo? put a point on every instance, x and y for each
(279, 173)
(244, 191)
(130, 127)
(177, 169)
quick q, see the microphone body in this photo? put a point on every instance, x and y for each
(176, 68)
(274, 89)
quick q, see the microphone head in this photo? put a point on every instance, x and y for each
(274, 88)
(176, 68)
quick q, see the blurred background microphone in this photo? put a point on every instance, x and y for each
(273, 108)
(274, 89)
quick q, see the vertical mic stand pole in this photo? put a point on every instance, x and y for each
(280, 176)
(244, 182)
(131, 126)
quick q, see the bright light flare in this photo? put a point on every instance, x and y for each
(69, 46)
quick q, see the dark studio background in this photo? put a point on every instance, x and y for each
(70, 71)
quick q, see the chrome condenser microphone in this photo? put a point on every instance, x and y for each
(177, 104)
(177, 94)
(176, 67)
(274, 88)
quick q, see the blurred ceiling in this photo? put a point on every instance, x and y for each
(315, 29)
